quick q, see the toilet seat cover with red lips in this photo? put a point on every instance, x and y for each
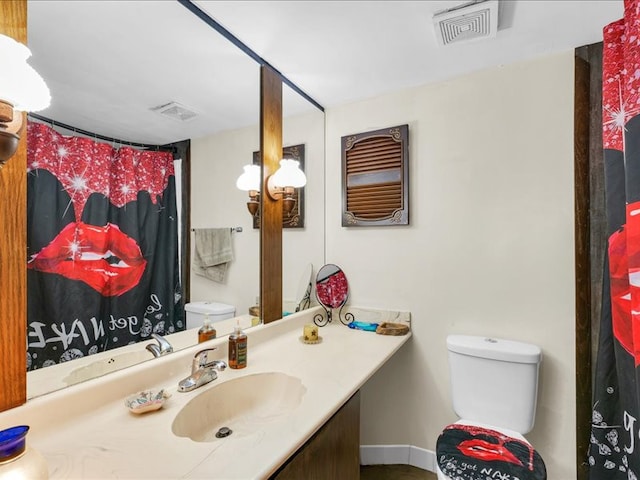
(467, 452)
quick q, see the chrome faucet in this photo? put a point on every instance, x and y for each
(162, 348)
(203, 371)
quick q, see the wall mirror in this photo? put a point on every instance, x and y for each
(164, 54)
(303, 248)
(303, 124)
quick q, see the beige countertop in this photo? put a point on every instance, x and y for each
(62, 375)
(86, 432)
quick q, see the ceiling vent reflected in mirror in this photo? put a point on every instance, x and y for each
(175, 111)
(466, 22)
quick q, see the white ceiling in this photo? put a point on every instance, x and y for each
(108, 63)
(341, 51)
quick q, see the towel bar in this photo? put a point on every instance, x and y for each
(233, 229)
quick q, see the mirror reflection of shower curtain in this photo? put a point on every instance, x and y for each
(102, 240)
(614, 451)
(177, 170)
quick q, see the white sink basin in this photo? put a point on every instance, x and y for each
(244, 405)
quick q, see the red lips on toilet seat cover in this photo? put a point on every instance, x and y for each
(467, 452)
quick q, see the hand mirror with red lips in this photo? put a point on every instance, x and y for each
(332, 291)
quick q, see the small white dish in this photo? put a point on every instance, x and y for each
(146, 401)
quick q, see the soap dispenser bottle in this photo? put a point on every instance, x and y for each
(207, 331)
(238, 348)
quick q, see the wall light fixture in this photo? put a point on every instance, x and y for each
(284, 181)
(22, 89)
(281, 185)
(249, 181)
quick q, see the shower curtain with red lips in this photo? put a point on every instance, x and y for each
(102, 240)
(614, 450)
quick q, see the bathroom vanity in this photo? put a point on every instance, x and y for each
(333, 452)
(291, 401)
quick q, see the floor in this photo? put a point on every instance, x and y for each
(394, 472)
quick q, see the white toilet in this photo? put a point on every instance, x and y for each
(494, 387)
(216, 311)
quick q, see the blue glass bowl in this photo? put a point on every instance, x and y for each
(13, 442)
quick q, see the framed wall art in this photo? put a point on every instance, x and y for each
(375, 178)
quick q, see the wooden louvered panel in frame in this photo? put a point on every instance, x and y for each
(375, 178)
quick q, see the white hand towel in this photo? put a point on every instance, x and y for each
(213, 253)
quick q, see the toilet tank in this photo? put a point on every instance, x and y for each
(494, 381)
(196, 312)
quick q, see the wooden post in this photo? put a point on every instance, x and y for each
(270, 210)
(582, 265)
(13, 244)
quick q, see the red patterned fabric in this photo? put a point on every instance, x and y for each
(468, 452)
(102, 240)
(333, 290)
(613, 451)
(84, 167)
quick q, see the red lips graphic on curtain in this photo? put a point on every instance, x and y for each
(624, 273)
(102, 257)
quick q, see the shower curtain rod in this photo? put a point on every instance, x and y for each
(55, 123)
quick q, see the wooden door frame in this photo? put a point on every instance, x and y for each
(13, 241)
(590, 236)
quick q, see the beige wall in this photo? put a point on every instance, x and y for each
(489, 250)
(216, 163)
(301, 246)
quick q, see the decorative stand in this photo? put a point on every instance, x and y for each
(332, 291)
(322, 320)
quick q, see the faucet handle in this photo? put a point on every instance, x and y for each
(163, 347)
(201, 358)
(154, 349)
(163, 344)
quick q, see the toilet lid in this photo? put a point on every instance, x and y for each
(470, 452)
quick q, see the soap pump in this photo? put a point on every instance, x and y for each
(207, 331)
(238, 348)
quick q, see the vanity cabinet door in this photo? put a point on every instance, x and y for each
(334, 450)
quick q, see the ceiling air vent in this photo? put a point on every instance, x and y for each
(176, 111)
(469, 21)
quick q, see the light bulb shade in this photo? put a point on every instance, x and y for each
(250, 178)
(289, 175)
(20, 84)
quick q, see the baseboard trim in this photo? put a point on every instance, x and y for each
(398, 455)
